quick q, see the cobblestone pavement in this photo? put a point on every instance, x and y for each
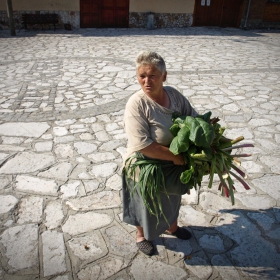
(62, 98)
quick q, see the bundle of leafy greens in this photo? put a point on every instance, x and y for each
(206, 152)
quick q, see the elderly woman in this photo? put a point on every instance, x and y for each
(147, 121)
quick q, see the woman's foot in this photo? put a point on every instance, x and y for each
(143, 245)
(180, 233)
(146, 247)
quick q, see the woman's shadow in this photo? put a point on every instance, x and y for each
(239, 241)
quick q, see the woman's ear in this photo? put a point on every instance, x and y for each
(164, 76)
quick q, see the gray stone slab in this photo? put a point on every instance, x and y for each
(212, 203)
(85, 222)
(111, 145)
(85, 148)
(3, 156)
(27, 162)
(120, 242)
(104, 169)
(63, 277)
(254, 255)
(190, 216)
(70, 189)
(32, 129)
(114, 182)
(30, 210)
(7, 203)
(12, 140)
(36, 185)
(87, 249)
(225, 267)
(145, 268)
(103, 270)
(270, 185)
(43, 146)
(176, 248)
(60, 171)
(4, 182)
(21, 248)
(212, 243)
(101, 157)
(262, 220)
(199, 267)
(64, 150)
(60, 131)
(54, 214)
(11, 148)
(53, 253)
(91, 185)
(256, 201)
(100, 200)
(192, 198)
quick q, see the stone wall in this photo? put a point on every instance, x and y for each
(161, 20)
(64, 17)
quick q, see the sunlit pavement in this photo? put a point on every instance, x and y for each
(62, 98)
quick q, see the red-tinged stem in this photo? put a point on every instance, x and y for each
(241, 155)
(246, 186)
(234, 141)
(223, 184)
(238, 171)
(238, 146)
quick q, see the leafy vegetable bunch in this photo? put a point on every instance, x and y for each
(207, 152)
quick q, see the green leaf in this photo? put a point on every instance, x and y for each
(183, 139)
(174, 146)
(174, 129)
(201, 133)
(205, 117)
(186, 175)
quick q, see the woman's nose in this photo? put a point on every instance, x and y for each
(147, 79)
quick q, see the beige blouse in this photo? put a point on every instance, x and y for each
(145, 121)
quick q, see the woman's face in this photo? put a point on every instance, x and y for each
(150, 79)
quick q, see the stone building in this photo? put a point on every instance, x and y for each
(151, 13)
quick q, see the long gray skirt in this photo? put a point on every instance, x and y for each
(135, 212)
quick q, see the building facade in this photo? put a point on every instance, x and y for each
(152, 13)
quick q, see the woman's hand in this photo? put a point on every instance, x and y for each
(179, 159)
(157, 151)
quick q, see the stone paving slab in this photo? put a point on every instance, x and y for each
(62, 99)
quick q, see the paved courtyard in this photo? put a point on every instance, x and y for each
(62, 99)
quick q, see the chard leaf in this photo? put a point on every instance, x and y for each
(174, 146)
(174, 129)
(201, 133)
(183, 139)
(205, 117)
(186, 175)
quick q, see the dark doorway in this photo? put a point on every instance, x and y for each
(223, 13)
(104, 13)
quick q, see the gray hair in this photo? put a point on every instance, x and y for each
(150, 58)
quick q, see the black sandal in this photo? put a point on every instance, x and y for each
(181, 233)
(146, 247)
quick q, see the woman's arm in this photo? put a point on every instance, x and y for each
(157, 151)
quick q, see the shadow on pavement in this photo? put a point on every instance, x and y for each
(243, 240)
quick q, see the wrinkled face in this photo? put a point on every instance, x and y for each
(150, 79)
